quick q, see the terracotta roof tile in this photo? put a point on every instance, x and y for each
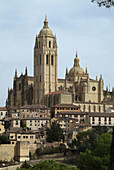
(56, 92)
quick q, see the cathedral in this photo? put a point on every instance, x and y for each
(45, 88)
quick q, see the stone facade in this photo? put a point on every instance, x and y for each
(45, 63)
(45, 86)
(22, 92)
(7, 152)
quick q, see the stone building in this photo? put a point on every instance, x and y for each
(45, 88)
(22, 92)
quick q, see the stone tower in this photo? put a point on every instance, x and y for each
(45, 63)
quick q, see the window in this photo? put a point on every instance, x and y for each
(49, 44)
(30, 120)
(109, 120)
(16, 122)
(1, 113)
(19, 137)
(26, 137)
(23, 137)
(40, 60)
(19, 86)
(40, 115)
(52, 60)
(12, 142)
(11, 136)
(31, 137)
(0, 129)
(47, 58)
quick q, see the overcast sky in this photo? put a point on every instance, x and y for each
(79, 25)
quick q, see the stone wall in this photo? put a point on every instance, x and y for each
(7, 152)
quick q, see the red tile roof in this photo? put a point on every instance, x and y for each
(3, 109)
(56, 92)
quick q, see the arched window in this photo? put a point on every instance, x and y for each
(40, 60)
(46, 59)
(49, 44)
(52, 60)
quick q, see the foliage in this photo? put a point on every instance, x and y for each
(25, 165)
(106, 3)
(97, 158)
(48, 165)
(85, 140)
(55, 132)
(4, 139)
(111, 166)
(51, 150)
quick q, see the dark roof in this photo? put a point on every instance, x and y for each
(3, 109)
(30, 77)
(71, 113)
(66, 105)
(77, 102)
(101, 114)
(34, 107)
(36, 118)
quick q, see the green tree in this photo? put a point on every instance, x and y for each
(106, 3)
(85, 140)
(111, 166)
(54, 133)
(98, 158)
(49, 165)
(4, 139)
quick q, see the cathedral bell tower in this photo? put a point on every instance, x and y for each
(45, 63)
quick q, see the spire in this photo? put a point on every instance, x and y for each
(26, 71)
(45, 22)
(76, 60)
(86, 70)
(96, 78)
(76, 54)
(66, 71)
(15, 73)
(36, 43)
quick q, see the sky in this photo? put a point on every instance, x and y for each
(79, 25)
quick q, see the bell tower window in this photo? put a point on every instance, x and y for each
(49, 44)
(40, 59)
(46, 59)
(52, 60)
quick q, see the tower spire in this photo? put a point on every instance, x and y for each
(45, 22)
(26, 71)
(76, 60)
(15, 73)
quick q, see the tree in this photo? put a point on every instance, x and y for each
(55, 132)
(111, 166)
(106, 3)
(4, 139)
(98, 158)
(85, 140)
(48, 165)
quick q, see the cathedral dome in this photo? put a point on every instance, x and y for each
(77, 70)
(45, 30)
